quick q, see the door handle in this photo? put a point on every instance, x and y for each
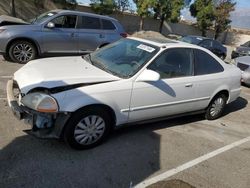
(72, 34)
(189, 85)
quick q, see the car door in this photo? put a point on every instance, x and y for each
(62, 38)
(209, 76)
(90, 34)
(173, 94)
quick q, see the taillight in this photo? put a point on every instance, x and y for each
(124, 35)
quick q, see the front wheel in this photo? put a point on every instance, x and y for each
(87, 128)
(6, 57)
(22, 51)
(216, 107)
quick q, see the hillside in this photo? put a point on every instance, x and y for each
(27, 9)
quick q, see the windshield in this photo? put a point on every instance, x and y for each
(42, 17)
(124, 57)
(191, 40)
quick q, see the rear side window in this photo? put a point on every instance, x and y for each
(205, 64)
(90, 23)
(108, 25)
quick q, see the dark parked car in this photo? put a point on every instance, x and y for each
(212, 45)
(242, 50)
(244, 65)
(58, 32)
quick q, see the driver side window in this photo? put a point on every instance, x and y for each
(68, 21)
(174, 63)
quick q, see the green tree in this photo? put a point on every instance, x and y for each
(168, 10)
(143, 9)
(203, 11)
(122, 5)
(222, 15)
(104, 7)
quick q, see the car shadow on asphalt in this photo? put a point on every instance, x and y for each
(236, 105)
(130, 155)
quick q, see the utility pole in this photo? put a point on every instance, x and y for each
(12, 7)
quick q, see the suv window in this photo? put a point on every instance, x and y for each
(205, 64)
(68, 21)
(90, 23)
(174, 63)
(108, 25)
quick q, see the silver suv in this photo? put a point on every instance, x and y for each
(58, 32)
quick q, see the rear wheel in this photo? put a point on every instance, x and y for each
(22, 51)
(87, 128)
(216, 107)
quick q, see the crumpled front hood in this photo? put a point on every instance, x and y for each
(59, 71)
(9, 20)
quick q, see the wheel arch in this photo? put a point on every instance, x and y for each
(222, 91)
(34, 42)
(103, 106)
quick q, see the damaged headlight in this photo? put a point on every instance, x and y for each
(40, 102)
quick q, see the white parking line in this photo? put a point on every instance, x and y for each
(5, 76)
(190, 164)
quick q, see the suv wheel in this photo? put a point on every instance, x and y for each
(6, 57)
(22, 51)
(87, 128)
(216, 107)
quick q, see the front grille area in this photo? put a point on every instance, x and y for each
(242, 67)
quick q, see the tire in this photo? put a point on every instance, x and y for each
(81, 126)
(6, 57)
(216, 107)
(22, 51)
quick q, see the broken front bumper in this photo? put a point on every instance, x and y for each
(43, 125)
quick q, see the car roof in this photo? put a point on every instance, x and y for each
(165, 43)
(85, 13)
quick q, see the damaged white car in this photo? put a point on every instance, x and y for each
(81, 99)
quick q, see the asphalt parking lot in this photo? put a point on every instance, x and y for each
(181, 152)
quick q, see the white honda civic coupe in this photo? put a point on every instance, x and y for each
(132, 80)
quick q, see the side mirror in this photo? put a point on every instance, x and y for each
(148, 76)
(50, 25)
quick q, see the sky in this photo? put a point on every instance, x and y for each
(240, 17)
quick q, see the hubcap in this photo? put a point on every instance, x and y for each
(217, 106)
(23, 52)
(89, 130)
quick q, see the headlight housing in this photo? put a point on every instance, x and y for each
(40, 102)
(2, 30)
